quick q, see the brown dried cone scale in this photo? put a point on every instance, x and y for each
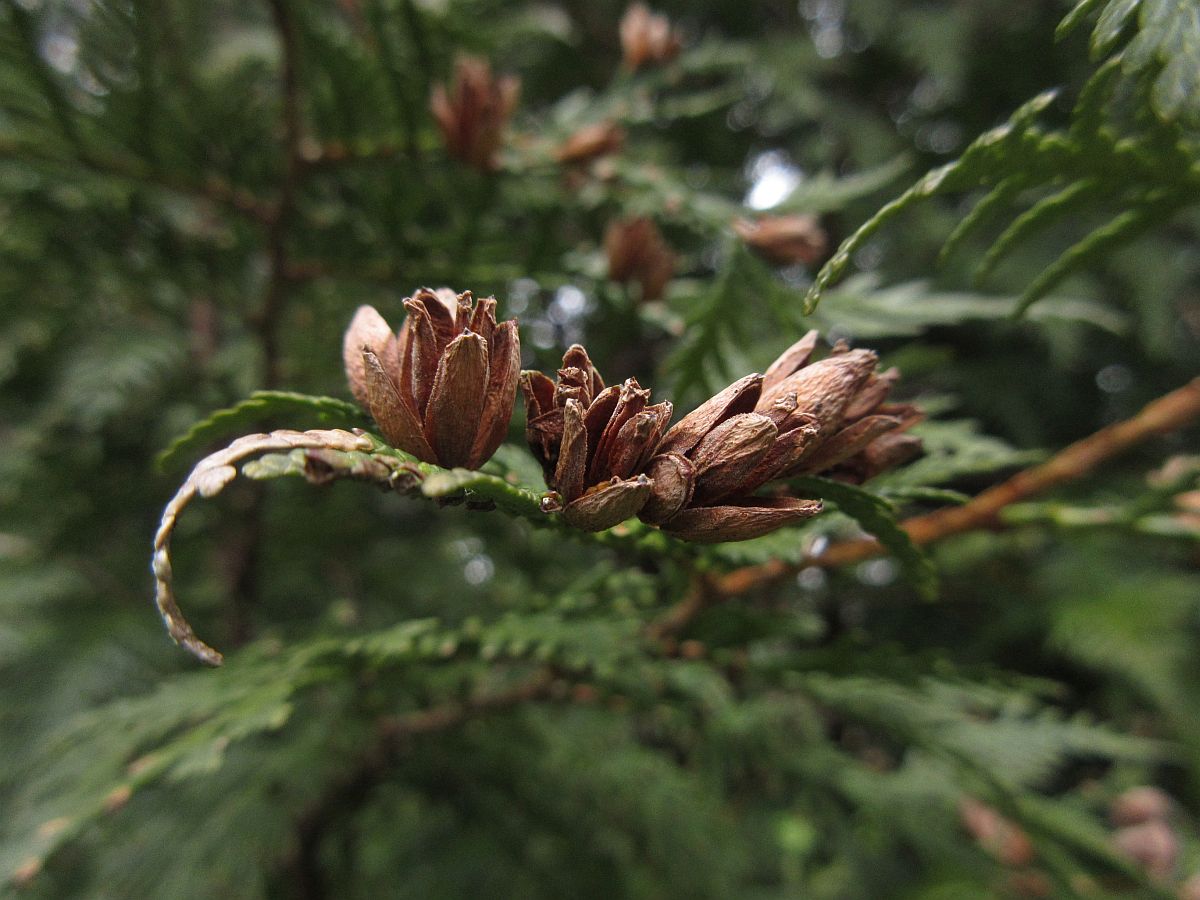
(443, 388)
(797, 419)
(710, 462)
(593, 442)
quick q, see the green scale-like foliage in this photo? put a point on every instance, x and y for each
(432, 687)
(1130, 148)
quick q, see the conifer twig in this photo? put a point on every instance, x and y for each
(1168, 413)
(207, 479)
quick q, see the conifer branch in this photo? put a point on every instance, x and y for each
(212, 188)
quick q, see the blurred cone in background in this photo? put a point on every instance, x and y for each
(474, 112)
(590, 143)
(637, 252)
(647, 38)
(784, 240)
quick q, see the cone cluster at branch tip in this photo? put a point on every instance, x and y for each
(609, 453)
(443, 388)
(474, 112)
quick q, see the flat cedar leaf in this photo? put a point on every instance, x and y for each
(861, 308)
(261, 405)
(919, 494)
(1069, 201)
(955, 449)
(984, 163)
(478, 485)
(1178, 85)
(1110, 25)
(1078, 13)
(825, 191)
(1115, 233)
(1168, 33)
(877, 516)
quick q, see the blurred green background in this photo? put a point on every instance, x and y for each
(194, 198)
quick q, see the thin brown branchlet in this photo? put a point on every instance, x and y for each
(473, 113)
(443, 388)
(592, 441)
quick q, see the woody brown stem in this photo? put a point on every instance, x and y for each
(1166, 414)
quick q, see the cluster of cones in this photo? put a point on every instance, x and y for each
(472, 114)
(444, 386)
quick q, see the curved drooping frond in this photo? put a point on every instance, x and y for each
(1126, 160)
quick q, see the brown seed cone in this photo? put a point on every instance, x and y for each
(1140, 804)
(647, 38)
(473, 113)
(1153, 845)
(593, 442)
(591, 142)
(859, 434)
(999, 836)
(784, 240)
(798, 418)
(443, 388)
(708, 465)
(637, 252)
